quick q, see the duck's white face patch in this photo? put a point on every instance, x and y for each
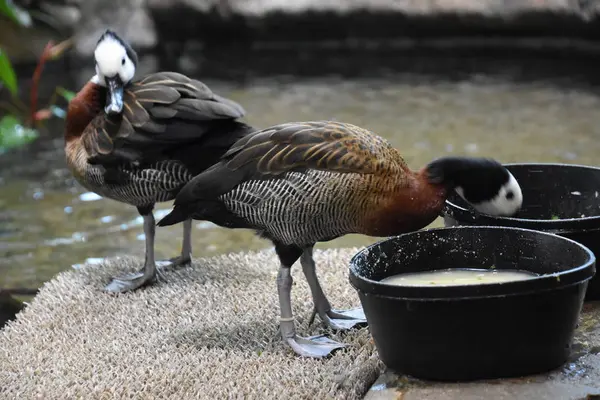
(112, 60)
(507, 201)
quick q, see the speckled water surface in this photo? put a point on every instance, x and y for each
(49, 223)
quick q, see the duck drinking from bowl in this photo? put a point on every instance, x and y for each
(559, 198)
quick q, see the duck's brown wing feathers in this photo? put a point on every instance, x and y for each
(161, 109)
(321, 145)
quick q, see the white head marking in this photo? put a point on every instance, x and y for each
(507, 201)
(111, 60)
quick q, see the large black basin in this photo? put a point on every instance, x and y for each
(557, 198)
(456, 333)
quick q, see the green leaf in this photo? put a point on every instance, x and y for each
(14, 134)
(7, 73)
(15, 13)
(66, 94)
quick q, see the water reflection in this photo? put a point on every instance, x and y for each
(49, 223)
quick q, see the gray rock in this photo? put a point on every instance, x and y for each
(250, 8)
(130, 19)
(142, 21)
(200, 5)
(66, 15)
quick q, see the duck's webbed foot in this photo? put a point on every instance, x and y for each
(314, 346)
(335, 319)
(178, 261)
(339, 319)
(130, 282)
(148, 274)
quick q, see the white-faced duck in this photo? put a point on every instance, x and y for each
(301, 183)
(139, 142)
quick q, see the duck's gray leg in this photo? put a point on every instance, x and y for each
(148, 273)
(335, 319)
(186, 248)
(315, 346)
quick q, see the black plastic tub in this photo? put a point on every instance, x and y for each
(461, 333)
(557, 198)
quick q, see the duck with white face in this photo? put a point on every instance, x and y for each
(138, 142)
(115, 68)
(489, 189)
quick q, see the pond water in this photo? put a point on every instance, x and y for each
(48, 223)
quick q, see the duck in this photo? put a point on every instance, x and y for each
(300, 183)
(139, 142)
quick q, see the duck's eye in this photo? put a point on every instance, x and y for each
(123, 61)
(510, 195)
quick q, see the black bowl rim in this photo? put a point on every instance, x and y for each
(542, 283)
(566, 224)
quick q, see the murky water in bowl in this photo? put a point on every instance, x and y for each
(48, 223)
(457, 277)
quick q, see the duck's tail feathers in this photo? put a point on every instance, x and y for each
(178, 214)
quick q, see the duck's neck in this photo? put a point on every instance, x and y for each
(415, 203)
(88, 103)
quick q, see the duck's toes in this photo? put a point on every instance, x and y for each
(129, 282)
(341, 319)
(314, 346)
(179, 261)
(346, 319)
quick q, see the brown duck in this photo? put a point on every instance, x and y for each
(301, 183)
(140, 142)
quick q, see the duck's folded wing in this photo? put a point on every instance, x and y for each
(163, 108)
(269, 153)
(321, 145)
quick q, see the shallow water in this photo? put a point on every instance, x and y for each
(48, 223)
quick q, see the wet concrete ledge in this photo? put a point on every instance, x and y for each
(174, 27)
(312, 25)
(559, 32)
(222, 38)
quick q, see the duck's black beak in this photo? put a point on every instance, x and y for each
(114, 96)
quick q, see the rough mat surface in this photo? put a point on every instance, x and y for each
(209, 331)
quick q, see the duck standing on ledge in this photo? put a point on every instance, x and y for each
(140, 142)
(301, 183)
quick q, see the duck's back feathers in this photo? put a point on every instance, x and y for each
(320, 145)
(299, 146)
(162, 110)
(197, 98)
(326, 176)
